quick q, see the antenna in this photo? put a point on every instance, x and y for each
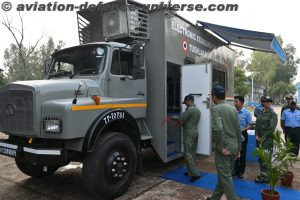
(76, 94)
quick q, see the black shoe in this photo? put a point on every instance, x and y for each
(186, 174)
(240, 176)
(260, 180)
(258, 176)
(194, 178)
(208, 198)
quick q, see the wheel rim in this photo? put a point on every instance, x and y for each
(117, 166)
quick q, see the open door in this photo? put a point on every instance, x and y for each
(197, 80)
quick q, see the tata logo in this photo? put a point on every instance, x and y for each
(10, 109)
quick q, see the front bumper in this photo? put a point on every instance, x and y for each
(41, 156)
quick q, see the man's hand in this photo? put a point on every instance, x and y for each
(179, 123)
(225, 152)
(238, 154)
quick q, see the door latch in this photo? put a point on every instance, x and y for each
(140, 93)
(207, 102)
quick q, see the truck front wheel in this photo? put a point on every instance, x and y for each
(109, 170)
(35, 170)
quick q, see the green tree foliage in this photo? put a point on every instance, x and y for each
(266, 63)
(34, 62)
(280, 89)
(240, 79)
(276, 76)
(287, 71)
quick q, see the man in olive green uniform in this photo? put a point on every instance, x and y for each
(189, 121)
(227, 137)
(266, 123)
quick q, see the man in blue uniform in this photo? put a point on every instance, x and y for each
(290, 121)
(287, 105)
(245, 124)
(288, 99)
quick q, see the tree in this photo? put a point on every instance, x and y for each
(281, 89)
(266, 63)
(41, 54)
(287, 71)
(18, 48)
(274, 73)
(2, 80)
(34, 62)
(240, 79)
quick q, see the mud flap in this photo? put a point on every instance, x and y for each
(139, 169)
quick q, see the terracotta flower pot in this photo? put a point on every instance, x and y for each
(287, 179)
(265, 195)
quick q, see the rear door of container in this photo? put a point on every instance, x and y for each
(196, 79)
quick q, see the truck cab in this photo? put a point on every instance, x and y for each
(111, 65)
(91, 94)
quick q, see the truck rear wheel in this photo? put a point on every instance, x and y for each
(109, 170)
(35, 170)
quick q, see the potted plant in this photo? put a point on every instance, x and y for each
(288, 176)
(276, 161)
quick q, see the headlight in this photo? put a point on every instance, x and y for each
(52, 126)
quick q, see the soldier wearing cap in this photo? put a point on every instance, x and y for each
(266, 123)
(227, 137)
(258, 109)
(189, 121)
(290, 121)
(287, 105)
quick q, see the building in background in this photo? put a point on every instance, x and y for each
(258, 91)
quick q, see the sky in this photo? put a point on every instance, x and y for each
(276, 16)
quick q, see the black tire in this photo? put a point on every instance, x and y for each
(34, 170)
(109, 170)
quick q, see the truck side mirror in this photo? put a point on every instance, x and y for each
(46, 66)
(138, 73)
(138, 56)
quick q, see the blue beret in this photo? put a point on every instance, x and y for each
(218, 90)
(188, 97)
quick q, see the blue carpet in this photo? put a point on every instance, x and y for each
(243, 188)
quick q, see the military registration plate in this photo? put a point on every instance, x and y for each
(8, 149)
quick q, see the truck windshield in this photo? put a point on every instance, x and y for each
(89, 60)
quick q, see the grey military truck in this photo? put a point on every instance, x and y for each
(105, 100)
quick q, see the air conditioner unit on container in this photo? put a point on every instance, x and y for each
(116, 23)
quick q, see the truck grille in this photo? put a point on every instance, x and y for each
(16, 111)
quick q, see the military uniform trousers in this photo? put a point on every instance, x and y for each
(294, 135)
(266, 145)
(190, 141)
(225, 166)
